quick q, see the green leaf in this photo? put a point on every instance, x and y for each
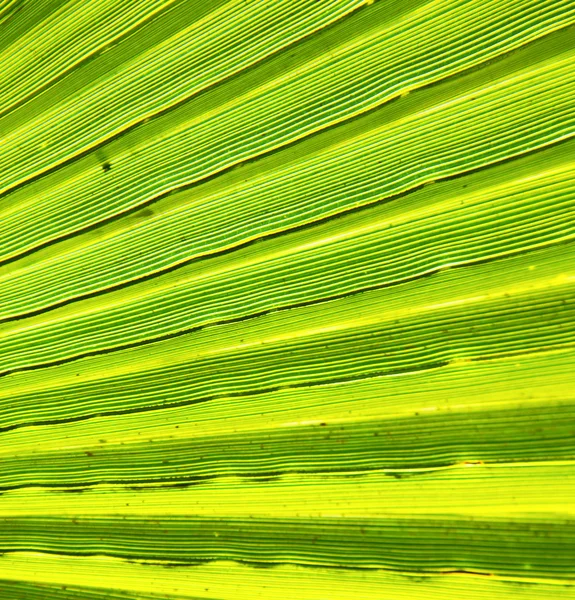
(287, 299)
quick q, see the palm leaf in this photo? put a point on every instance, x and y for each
(286, 299)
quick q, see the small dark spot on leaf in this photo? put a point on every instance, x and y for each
(106, 167)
